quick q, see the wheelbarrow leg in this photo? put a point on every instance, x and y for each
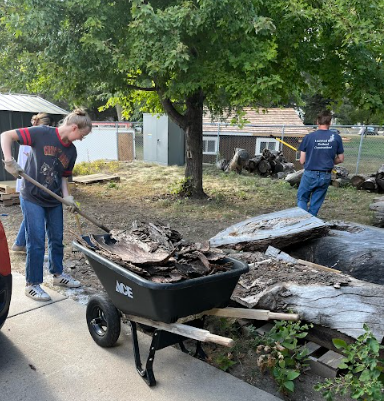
(160, 339)
(147, 373)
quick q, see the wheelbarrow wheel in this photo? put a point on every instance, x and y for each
(103, 321)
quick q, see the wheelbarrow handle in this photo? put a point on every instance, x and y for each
(64, 202)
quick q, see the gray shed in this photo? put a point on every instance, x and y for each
(16, 111)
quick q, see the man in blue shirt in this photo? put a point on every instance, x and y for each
(320, 151)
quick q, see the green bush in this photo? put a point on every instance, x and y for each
(364, 371)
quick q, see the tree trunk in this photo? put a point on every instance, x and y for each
(192, 123)
(194, 144)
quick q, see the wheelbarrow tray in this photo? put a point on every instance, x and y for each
(165, 302)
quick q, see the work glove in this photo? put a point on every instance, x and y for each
(13, 168)
(70, 205)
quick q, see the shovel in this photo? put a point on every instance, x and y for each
(60, 199)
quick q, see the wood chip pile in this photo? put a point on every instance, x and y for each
(158, 253)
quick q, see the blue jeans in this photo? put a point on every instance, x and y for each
(38, 221)
(312, 189)
(20, 239)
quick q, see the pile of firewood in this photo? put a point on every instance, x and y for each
(158, 253)
(371, 182)
(269, 163)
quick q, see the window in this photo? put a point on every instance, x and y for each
(209, 145)
(266, 143)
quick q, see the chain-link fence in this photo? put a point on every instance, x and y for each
(363, 145)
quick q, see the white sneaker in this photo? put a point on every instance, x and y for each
(65, 280)
(18, 249)
(37, 293)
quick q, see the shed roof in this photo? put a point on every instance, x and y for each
(29, 104)
(261, 122)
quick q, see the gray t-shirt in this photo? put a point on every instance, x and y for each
(50, 159)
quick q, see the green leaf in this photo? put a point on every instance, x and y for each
(289, 385)
(292, 375)
(365, 376)
(339, 344)
(288, 345)
(343, 364)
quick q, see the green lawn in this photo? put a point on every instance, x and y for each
(371, 157)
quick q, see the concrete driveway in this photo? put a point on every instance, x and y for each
(47, 354)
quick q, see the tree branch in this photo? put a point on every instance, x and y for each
(180, 120)
(152, 89)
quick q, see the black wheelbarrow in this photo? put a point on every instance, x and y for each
(156, 306)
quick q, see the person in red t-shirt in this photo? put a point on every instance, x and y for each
(51, 161)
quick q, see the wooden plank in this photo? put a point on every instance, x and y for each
(11, 202)
(326, 365)
(7, 196)
(8, 187)
(93, 178)
(184, 330)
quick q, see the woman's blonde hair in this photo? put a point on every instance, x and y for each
(42, 119)
(79, 117)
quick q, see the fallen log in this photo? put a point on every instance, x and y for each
(238, 161)
(264, 167)
(354, 249)
(341, 172)
(378, 208)
(252, 164)
(369, 184)
(323, 297)
(380, 178)
(295, 178)
(358, 180)
(345, 309)
(282, 228)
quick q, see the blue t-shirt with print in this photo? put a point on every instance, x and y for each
(50, 159)
(321, 148)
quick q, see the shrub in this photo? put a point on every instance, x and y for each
(364, 371)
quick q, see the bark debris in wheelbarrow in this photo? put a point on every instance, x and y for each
(158, 253)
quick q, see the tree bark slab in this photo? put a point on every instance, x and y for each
(280, 229)
(344, 309)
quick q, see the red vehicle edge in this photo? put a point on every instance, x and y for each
(5, 277)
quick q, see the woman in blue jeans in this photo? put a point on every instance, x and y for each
(320, 151)
(39, 119)
(51, 161)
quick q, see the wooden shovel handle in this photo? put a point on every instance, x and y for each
(64, 202)
(252, 314)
